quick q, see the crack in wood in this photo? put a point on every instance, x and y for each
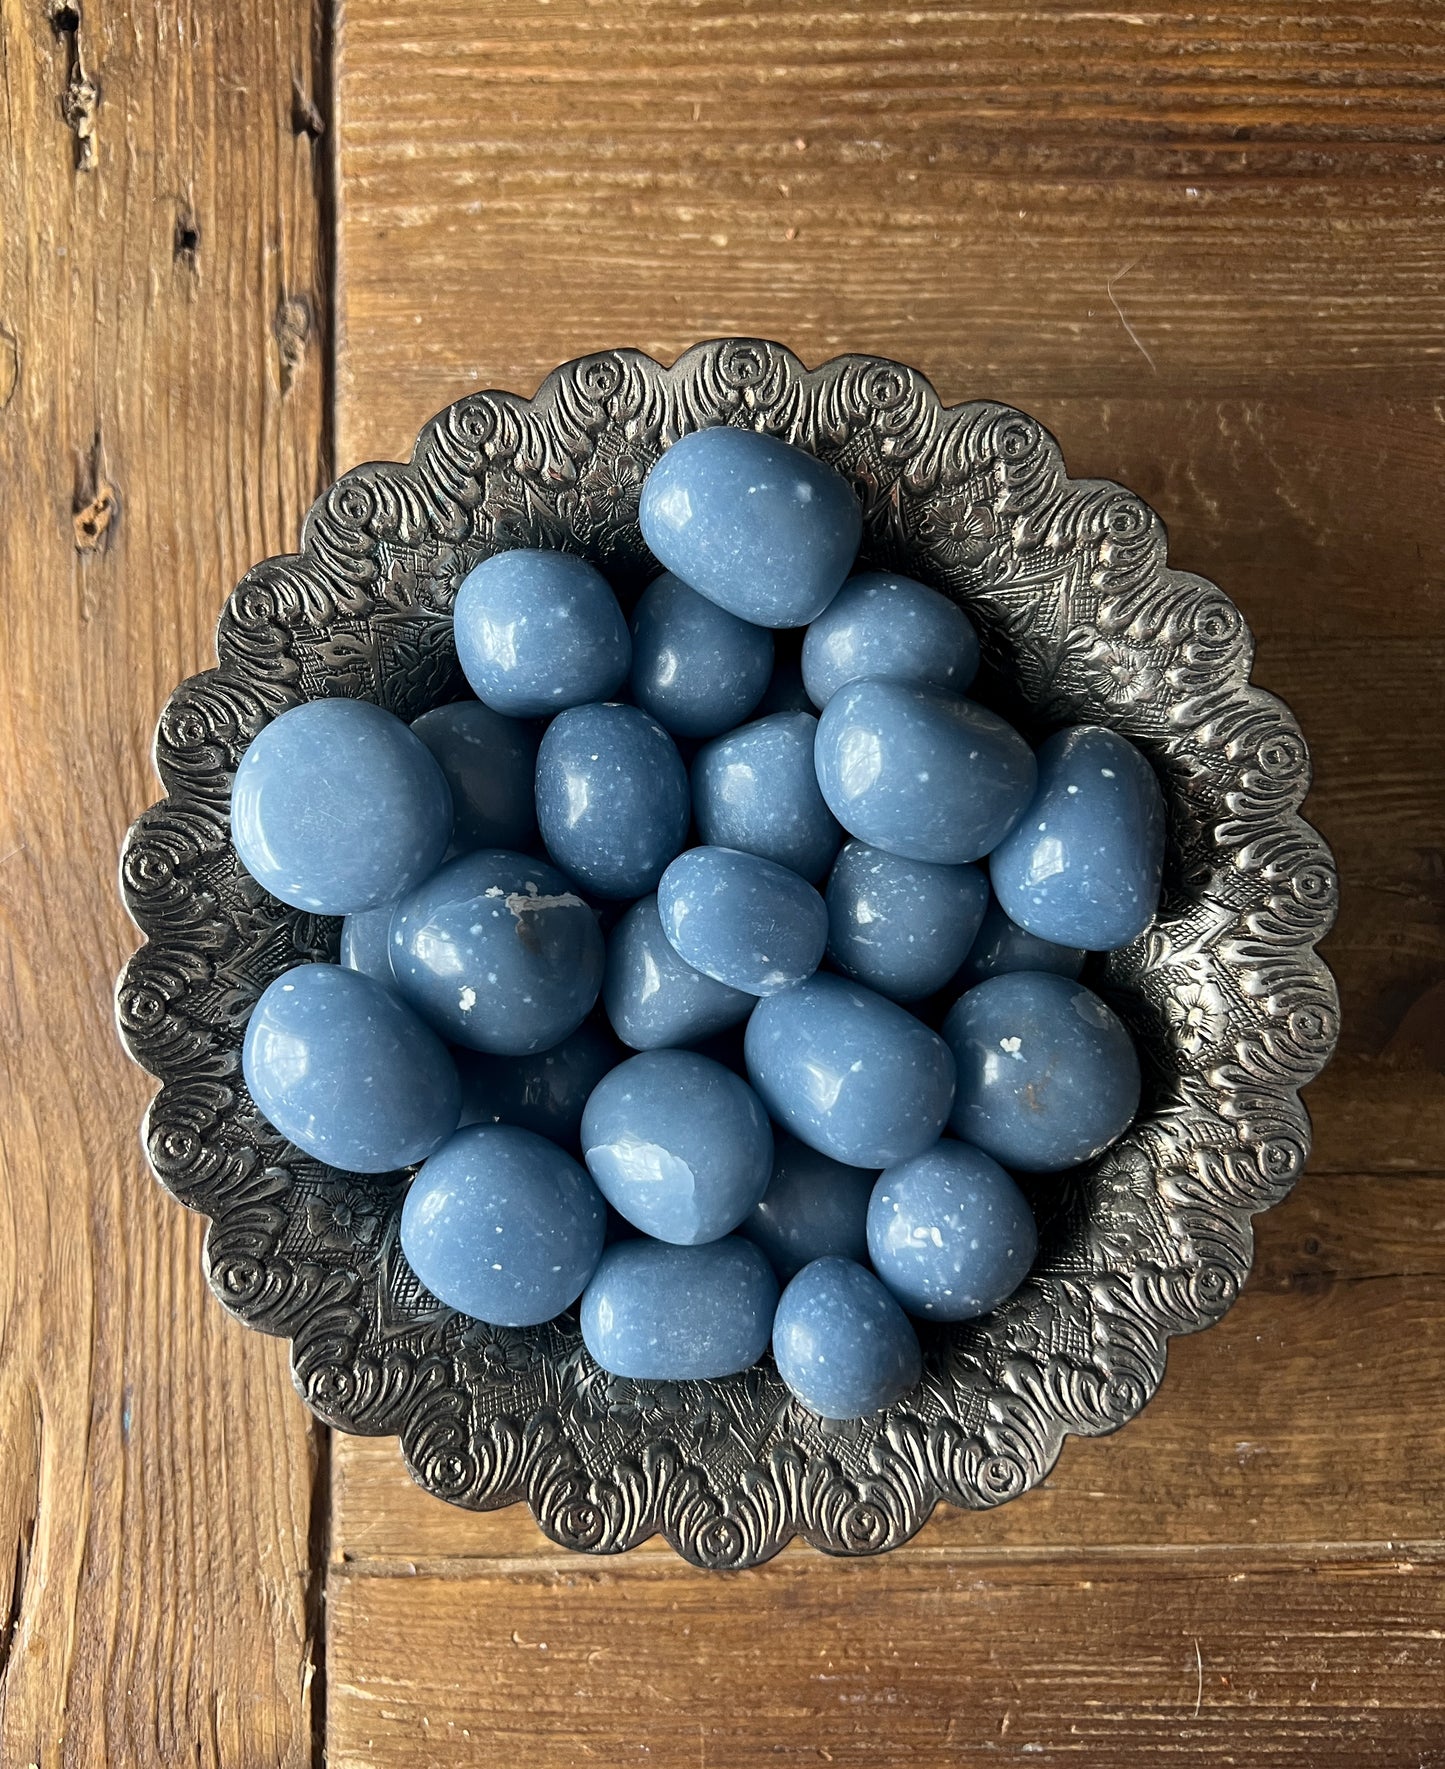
(96, 503)
(80, 96)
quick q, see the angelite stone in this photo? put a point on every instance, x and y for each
(696, 668)
(842, 1344)
(920, 773)
(544, 1092)
(742, 920)
(950, 1233)
(892, 629)
(757, 526)
(537, 632)
(612, 798)
(1047, 1074)
(489, 761)
(336, 806)
(654, 998)
(849, 1073)
(814, 1207)
(498, 952)
(1083, 865)
(657, 1313)
(901, 926)
(1002, 945)
(348, 1072)
(678, 1145)
(757, 790)
(503, 1225)
(366, 943)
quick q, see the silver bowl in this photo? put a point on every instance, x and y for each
(1082, 620)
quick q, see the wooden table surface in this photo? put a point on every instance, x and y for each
(245, 244)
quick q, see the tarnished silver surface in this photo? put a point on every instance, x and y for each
(1233, 1009)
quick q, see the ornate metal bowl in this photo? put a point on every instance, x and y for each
(1233, 1010)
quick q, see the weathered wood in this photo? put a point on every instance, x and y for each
(162, 416)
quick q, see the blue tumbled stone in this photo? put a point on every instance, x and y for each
(919, 773)
(814, 1207)
(1047, 1074)
(504, 1226)
(1002, 945)
(346, 1071)
(678, 1145)
(696, 668)
(498, 952)
(656, 1313)
(950, 1233)
(539, 631)
(336, 806)
(891, 629)
(842, 1344)
(849, 1073)
(901, 926)
(757, 790)
(489, 761)
(1083, 866)
(742, 920)
(763, 529)
(654, 998)
(366, 943)
(544, 1092)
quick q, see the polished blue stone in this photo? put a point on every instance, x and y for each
(346, 1071)
(757, 790)
(504, 1226)
(654, 998)
(612, 798)
(657, 1313)
(538, 631)
(901, 926)
(920, 773)
(366, 943)
(544, 1092)
(336, 807)
(1002, 945)
(489, 761)
(696, 668)
(950, 1233)
(757, 526)
(842, 1344)
(1047, 1074)
(814, 1206)
(1083, 866)
(678, 1144)
(892, 629)
(849, 1073)
(498, 952)
(742, 920)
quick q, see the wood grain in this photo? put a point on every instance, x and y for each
(161, 426)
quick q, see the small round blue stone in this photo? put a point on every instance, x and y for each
(696, 668)
(654, 998)
(919, 773)
(1047, 1074)
(678, 1145)
(612, 798)
(763, 529)
(366, 943)
(757, 790)
(544, 1092)
(842, 1344)
(950, 1233)
(849, 1073)
(892, 629)
(347, 1072)
(657, 1313)
(1002, 945)
(336, 806)
(742, 920)
(1083, 866)
(901, 926)
(504, 1226)
(814, 1207)
(498, 952)
(489, 761)
(539, 631)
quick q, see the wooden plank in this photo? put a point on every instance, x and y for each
(161, 426)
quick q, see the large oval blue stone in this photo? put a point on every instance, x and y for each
(902, 927)
(657, 1313)
(742, 920)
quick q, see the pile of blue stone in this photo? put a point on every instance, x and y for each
(669, 959)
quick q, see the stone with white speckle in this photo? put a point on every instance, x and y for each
(842, 1343)
(659, 1313)
(901, 926)
(742, 920)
